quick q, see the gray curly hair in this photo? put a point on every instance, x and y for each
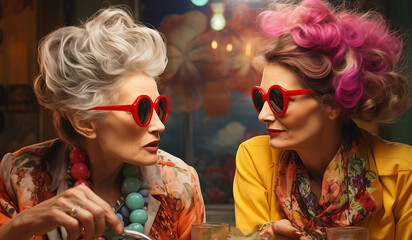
(83, 66)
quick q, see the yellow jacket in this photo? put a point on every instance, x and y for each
(256, 203)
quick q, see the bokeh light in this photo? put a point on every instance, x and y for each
(218, 22)
(214, 44)
(200, 3)
(248, 49)
(229, 47)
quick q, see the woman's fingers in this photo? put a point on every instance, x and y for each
(284, 227)
(71, 224)
(75, 208)
(280, 230)
(86, 220)
(105, 211)
(91, 217)
(96, 213)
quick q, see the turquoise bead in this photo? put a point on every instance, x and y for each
(138, 216)
(129, 170)
(134, 201)
(131, 184)
(136, 226)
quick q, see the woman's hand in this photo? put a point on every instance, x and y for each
(281, 230)
(94, 215)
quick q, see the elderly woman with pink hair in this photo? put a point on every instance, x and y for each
(317, 168)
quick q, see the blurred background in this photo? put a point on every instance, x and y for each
(211, 47)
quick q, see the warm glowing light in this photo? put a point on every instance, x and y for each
(229, 47)
(199, 3)
(214, 44)
(218, 22)
(248, 50)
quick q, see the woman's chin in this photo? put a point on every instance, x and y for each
(145, 161)
(280, 146)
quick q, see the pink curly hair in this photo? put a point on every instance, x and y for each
(363, 51)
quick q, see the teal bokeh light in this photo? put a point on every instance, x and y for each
(218, 22)
(199, 3)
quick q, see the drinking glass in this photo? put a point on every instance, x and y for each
(346, 233)
(210, 231)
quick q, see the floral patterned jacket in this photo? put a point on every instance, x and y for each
(38, 172)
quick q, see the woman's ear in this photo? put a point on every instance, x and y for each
(84, 128)
(333, 111)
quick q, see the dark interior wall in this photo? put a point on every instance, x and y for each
(80, 10)
(18, 109)
(399, 14)
(51, 14)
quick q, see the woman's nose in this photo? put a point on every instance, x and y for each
(156, 124)
(266, 114)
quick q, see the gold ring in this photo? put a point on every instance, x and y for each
(74, 211)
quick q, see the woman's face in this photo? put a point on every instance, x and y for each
(118, 135)
(304, 121)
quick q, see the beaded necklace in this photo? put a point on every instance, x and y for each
(131, 210)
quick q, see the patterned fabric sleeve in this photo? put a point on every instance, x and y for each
(7, 198)
(184, 198)
(195, 213)
(23, 182)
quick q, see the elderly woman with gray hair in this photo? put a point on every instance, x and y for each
(105, 171)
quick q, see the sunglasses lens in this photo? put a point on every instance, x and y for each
(162, 109)
(276, 100)
(144, 110)
(257, 99)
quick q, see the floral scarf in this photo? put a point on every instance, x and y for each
(350, 189)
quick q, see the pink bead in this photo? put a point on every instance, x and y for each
(81, 181)
(80, 171)
(77, 156)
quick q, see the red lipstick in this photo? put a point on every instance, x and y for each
(272, 132)
(152, 146)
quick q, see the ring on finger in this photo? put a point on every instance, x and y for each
(74, 211)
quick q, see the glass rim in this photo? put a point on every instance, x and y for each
(346, 228)
(211, 224)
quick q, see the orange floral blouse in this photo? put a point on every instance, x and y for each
(38, 172)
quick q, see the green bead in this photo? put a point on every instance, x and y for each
(134, 201)
(138, 216)
(136, 227)
(131, 184)
(129, 170)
